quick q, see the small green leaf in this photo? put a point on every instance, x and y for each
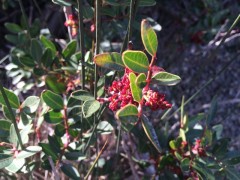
(53, 117)
(4, 128)
(53, 83)
(136, 91)
(128, 115)
(82, 95)
(12, 38)
(232, 173)
(90, 107)
(27, 61)
(76, 156)
(13, 28)
(16, 165)
(213, 110)
(48, 44)
(167, 79)
(110, 60)
(53, 100)
(70, 171)
(29, 151)
(48, 150)
(70, 49)
(36, 50)
(47, 58)
(172, 145)
(13, 136)
(203, 170)
(141, 80)
(149, 38)
(150, 132)
(104, 127)
(30, 104)
(6, 112)
(185, 164)
(12, 98)
(5, 160)
(137, 61)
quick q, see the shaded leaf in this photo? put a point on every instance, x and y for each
(70, 171)
(82, 95)
(52, 99)
(5, 160)
(110, 60)
(149, 38)
(36, 50)
(48, 44)
(12, 98)
(70, 49)
(213, 110)
(53, 83)
(150, 132)
(48, 150)
(167, 79)
(232, 173)
(137, 61)
(53, 117)
(104, 127)
(27, 61)
(76, 156)
(29, 151)
(30, 104)
(13, 28)
(185, 163)
(4, 128)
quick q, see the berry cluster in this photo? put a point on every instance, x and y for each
(120, 93)
(198, 149)
(72, 22)
(156, 100)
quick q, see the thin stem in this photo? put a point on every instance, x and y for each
(11, 115)
(205, 85)
(81, 40)
(37, 6)
(24, 16)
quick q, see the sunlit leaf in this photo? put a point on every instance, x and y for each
(12, 98)
(136, 91)
(90, 107)
(30, 104)
(52, 99)
(5, 160)
(167, 79)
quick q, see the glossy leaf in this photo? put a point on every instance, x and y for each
(48, 44)
(29, 151)
(16, 165)
(70, 171)
(150, 132)
(27, 61)
(30, 104)
(110, 60)
(141, 80)
(136, 91)
(149, 38)
(90, 107)
(5, 160)
(48, 151)
(52, 99)
(36, 50)
(53, 117)
(70, 49)
(137, 61)
(167, 79)
(82, 95)
(13, 28)
(128, 115)
(77, 156)
(12, 98)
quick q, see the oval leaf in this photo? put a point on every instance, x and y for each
(141, 80)
(16, 165)
(48, 44)
(29, 151)
(53, 117)
(150, 132)
(90, 107)
(137, 61)
(53, 83)
(12, 98)
(128, 115)
(136, 91)
(149, 38)
(110, 60)
(70, 49)
(70, 171)
(82, 95)
(53, 100)
(5, 160)
(30, 104)
(167, 79)
(4, 128)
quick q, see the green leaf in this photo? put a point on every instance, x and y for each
(48, 44)
(137, 61)
(88, 12)
(53, 100)
(53, 84)
(4, 128)
(76, 156)
(70, 171)
(104, 127)
(6, 112)
(16, 165)
(172, 145)
(29, 151)
(27, 61)
(82, 95)
(30, 104)
(128, 115)
(53, 117)
(232, 158)
(5, 160)
(167, 79)
(12, 98)
(47, 58)
(55, 143)
(150, 132)
(48, 150)
(90, 107)
(213, 110)
(110, 60)
(13, 136)
(141, 80)
(185, 163)
(36, 50)
(63, 2)
(149, 38)
(232, 173)
(13, 28)
(203, 170)
(136, 91)
(70, 49)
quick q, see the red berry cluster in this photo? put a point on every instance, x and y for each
(198, 149)
(73, 23)
(120, 93)
(156, 100)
